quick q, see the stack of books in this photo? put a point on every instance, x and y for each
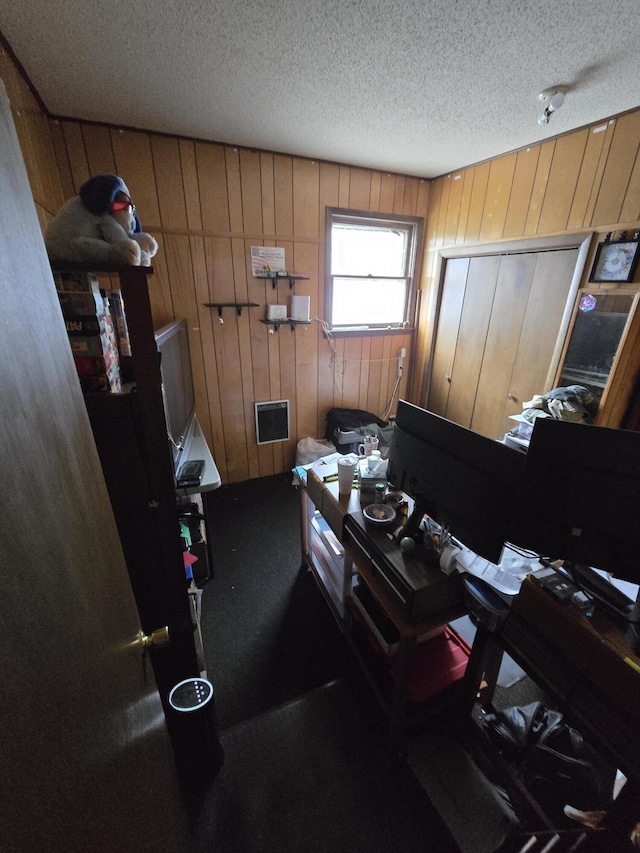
(90, 327)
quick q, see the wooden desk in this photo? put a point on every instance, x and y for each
(329, 521)
(585, 666)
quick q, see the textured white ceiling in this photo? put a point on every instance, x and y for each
(411, 86)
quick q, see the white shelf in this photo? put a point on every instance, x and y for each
(196, 447)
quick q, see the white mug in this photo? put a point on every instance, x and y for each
(370, 443)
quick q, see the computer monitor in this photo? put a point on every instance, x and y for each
(583, 485)
(463, 480)
(583, 507)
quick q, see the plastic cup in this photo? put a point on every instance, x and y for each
(346, 473)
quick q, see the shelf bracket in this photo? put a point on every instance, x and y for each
(274, 281)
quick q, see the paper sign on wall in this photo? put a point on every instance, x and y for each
(267, 260)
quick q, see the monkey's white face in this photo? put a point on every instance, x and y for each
(123, 210)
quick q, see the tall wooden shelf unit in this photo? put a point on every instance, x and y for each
(131, 438)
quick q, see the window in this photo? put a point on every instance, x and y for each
(370, 269)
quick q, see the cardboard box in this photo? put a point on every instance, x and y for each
(82, 304)
(368, 483)
(87, 365)
(78, 282)
(120, 322)
(94, 345)
(110, 383)
(88, 327)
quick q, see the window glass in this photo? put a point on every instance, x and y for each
(370, 269)
(370, 301)
(367, 250)
(598, 328)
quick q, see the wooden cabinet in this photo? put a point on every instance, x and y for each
(130, 433)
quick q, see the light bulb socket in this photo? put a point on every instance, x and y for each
(554, 93)
(553, 99)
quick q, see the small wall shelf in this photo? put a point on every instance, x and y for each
(237, 305)
(291, 277)
(292, 323)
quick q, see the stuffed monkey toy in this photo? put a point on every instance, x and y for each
(99, 226)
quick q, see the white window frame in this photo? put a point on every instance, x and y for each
(413, 226)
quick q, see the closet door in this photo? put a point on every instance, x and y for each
(475, 321)
(550, 292)
(511, 298)
(499, 322)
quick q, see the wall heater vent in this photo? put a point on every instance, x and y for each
(272, 421)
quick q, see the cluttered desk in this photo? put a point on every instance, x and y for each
(456, 503)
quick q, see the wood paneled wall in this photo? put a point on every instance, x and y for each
(207, 204)
(32, 126)
(584, 181)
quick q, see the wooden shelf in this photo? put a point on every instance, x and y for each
(237, 305)
(290, 277)
(107, 269)
(292, 323)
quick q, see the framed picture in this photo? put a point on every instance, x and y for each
(615, 260)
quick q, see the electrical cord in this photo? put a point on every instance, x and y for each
(387, 411)
(339, 371)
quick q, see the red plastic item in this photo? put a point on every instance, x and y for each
(437, 664)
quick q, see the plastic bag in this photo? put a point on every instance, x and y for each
(552, 759)
(310, 449)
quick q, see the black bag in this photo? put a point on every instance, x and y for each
(553, 761)
(348, 419)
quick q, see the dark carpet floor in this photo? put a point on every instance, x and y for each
(268, 634)
(307, 766)
(315, 776)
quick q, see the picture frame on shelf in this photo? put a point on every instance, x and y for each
(615, 261)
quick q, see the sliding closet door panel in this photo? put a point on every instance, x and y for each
(496, 335)
(507, 318)
(453, 291)
(540, 330)
(472, 338)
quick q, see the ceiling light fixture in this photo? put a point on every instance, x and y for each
(552, 99)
